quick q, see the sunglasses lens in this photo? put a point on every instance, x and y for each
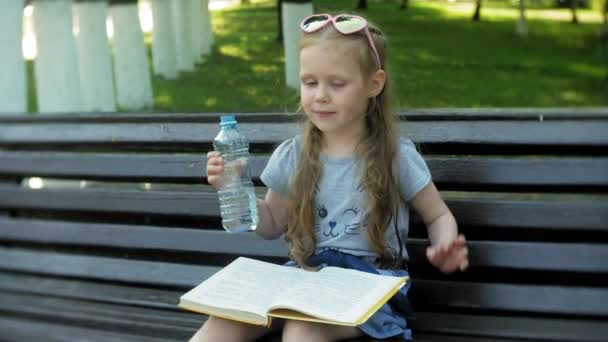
(314, 22)
(348, 24)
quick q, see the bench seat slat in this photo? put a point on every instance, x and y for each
(591, 132)
(551, 214)
(532, 170)
(29, 329)
(166, 274)
(548, 256)
(130, 320)
(554, 329)
(100, 292)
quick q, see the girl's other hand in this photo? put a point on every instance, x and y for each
(449, 256)
(215, 169)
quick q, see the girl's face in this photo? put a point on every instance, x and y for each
(333, 89)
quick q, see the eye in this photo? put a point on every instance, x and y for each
(322, 211)
(353, 210)
(338, 84)
(309, 83)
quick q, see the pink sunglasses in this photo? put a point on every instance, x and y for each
(344, 23)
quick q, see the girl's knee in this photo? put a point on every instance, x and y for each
(219, 329)
(296, 331)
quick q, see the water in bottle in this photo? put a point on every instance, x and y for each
(238, 204)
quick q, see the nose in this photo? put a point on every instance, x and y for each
(321, 95)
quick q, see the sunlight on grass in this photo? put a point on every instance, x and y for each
(260, 68)
(465, 10)
(588, 69)
(211, 101)
(164, 100)
(573, 96)
(234, 51)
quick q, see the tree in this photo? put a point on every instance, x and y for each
(606, 16)
(405, 4)
(477, 14)
(362, 4)
(573, 6)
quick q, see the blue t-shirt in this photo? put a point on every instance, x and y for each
(341, 216)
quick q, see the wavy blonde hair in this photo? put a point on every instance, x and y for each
(376, 150)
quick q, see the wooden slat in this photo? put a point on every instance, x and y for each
(577, 257)
(550, 214)
(417, 114)
(554, 329)
(22, 329)
(99, 292)
(139, 237)
(167, 274)
(563, 132)
(128, 320)
(104, 268)
(533, 298)
(128, 166)
(533, 170)
(529, 170)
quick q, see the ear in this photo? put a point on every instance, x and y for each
(377, 82)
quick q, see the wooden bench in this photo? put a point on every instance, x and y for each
(105, 222)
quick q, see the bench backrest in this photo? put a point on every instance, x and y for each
(94, 206)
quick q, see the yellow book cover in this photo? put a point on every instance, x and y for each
(254, 291)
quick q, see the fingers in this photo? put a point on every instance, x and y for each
(449, 256)
(215, 168)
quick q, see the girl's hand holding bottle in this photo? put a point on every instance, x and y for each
(215, 169)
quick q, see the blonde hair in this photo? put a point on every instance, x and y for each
(376, 150)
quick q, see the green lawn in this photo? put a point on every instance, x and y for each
(438, 58)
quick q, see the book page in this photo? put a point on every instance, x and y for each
(339, 295)
(244, 285)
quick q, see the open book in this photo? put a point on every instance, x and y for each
(254, 291)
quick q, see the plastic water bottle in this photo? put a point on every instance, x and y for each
(238, 204)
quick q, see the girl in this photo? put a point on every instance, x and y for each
(341, 190)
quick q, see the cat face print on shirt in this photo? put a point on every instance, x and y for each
(340, 216)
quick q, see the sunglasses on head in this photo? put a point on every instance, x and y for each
(343, 23)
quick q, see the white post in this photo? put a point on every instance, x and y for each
(13, 94)
(95, 62)
(293, 13)
(131, 67)
(183, 42)
(196, 26)
(207, 29)
(56, 65)
(522, 27)
(163, 43)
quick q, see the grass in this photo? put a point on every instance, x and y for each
(438, 58)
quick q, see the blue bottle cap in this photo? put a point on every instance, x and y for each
(227, 120)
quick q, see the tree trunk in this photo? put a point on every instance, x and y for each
(522, 27)
(573, 7)
(606, 13)
(362, 4)
(280, 14)
(477, 15)
(405, 4)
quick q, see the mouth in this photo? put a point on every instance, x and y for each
(323, 113)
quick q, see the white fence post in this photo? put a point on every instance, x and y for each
(183, 42)
(95, 62)
(56, 65)
(13, 91)
(163, 40)
(293, 13)
(131, 66)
